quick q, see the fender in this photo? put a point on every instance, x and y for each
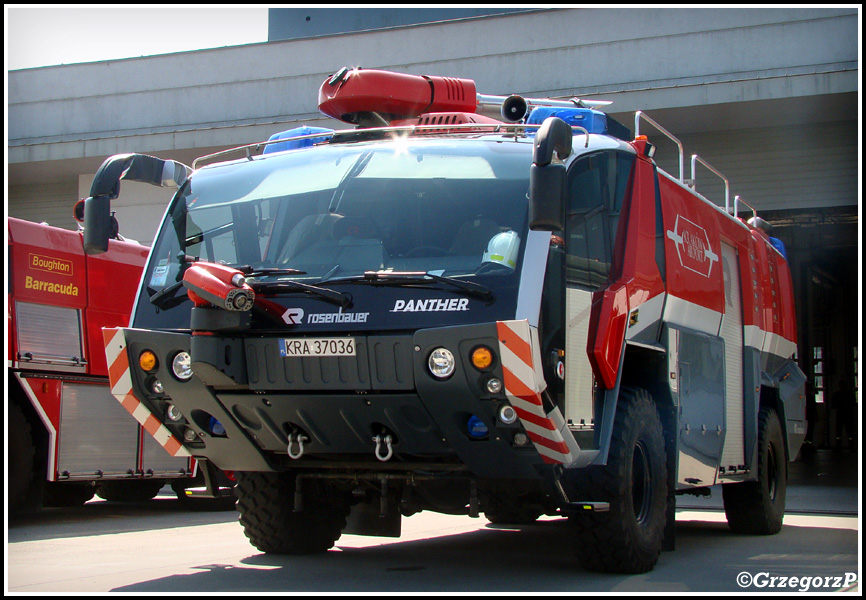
(608, 322)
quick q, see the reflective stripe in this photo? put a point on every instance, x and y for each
(523, 383)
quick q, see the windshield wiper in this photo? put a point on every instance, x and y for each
(165, 298)
(399, 278)
(250, 271)
(341, 299)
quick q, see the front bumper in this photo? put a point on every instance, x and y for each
(340, 408)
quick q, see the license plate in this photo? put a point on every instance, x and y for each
(343, 346)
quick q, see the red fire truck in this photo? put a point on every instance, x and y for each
(68, 437)
(450, 311)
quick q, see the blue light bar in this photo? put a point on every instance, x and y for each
(294, 144)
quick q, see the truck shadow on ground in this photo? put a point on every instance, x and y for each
(99, 517)
(532, 558)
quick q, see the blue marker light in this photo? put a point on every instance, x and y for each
(476, 427)
(216, 428)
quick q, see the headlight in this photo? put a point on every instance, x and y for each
(441, 363)
(181, 366)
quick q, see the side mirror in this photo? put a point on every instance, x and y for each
(546, 197)
(547, 178)
(98, 221)
(97, 224)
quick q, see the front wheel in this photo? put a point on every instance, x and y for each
(758, 507)
(628, 537)
(266, 507)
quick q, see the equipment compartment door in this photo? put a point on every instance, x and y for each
(732, 333)
(697, 377)
(97, 435)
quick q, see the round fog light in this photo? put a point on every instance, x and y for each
(521, 439)
(156, 387)
(494, 385)
(441, 363)
(507, 414)
(173, 413)
(181, 366)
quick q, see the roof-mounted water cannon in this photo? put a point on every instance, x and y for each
(106, 187)
(370, 97)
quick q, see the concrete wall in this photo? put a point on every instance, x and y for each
(702, 70)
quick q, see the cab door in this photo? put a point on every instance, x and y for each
(598, 184)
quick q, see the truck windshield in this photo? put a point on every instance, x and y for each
(452, 208)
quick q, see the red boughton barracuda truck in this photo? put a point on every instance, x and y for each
(445, 310)
(68, 439)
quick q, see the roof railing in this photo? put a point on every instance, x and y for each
(697, 159)
(641, 115)
(514, 128)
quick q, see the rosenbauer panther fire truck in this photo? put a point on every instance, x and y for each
(67, 436)
(442, 310)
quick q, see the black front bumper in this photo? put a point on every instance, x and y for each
(340, 408)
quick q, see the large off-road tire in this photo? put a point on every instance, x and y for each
(139, 490)
(758, 507)
(628, 537)
(266, 507)
(21, 458)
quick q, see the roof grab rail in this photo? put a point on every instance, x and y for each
(641, 115)
(698, 159)
(737, 201)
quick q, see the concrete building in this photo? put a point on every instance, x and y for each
(768, 96)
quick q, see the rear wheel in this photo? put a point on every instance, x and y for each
(67, 494)
(139, 490)
(758, 507)
(21, 458)
(266, 507)
(628, 537)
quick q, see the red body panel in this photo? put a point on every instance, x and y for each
(49, 267)
(692, 248)
(693, 233)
